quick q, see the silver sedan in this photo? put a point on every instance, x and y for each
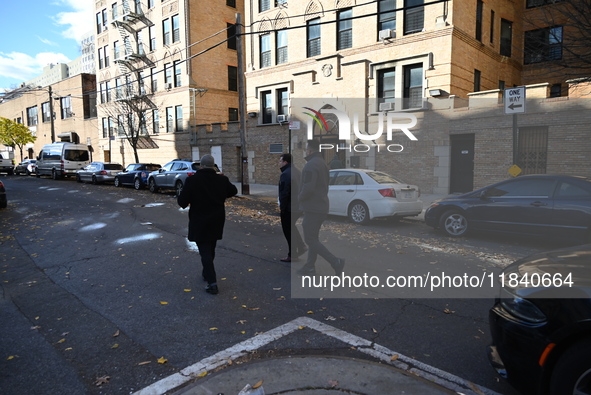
(98, 172)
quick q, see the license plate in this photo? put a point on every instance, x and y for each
(408, 195)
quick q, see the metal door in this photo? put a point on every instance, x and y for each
(462, 163)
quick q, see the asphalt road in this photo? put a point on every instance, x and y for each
(102, 294)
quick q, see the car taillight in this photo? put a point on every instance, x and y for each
(389, 192)
(62, 165)
(1, 184)
(190, 174)
(103, 173)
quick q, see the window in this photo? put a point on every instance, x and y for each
(231, 32)
(233, 78)
(167, 75)
(139, 39)
(345, 29)
(142, 82)
(66, 106)
(32, 119)
(177, 73)
(231, 3)
(282, 102)
(118, 89)
(114, 11)
(313, 34)
(477, 76)
(532, 149)
(413, 86)
(46, 112)
(151, 3)
(523, 188)
(166, 31)
(281, 43)
(267, 106)
(556, 90)
(538, 3)
(138, 7)
(265, 42)
(387, 15)
(502, 85)
(121, 125)
(232, 114)
(386, 85)
(479, 6)
(105, 123)
(178, 111)
(105, 19)
(413, 16)
(106, 53)
(152, 32)
(153, 79)
(143, 124)
(99, 22)
(108, 89)
(101, 58)
(176, 30)
(506, 37)
(492, 26)
(264, 5)
(543, 45)
(155, 122)
(116, 50)
(169, 119)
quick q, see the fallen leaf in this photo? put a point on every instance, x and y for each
(102, 380)
(163, 303)
(394, 357)
(115, 346)
(374, 330)
(116, 334)
(448, 311)
(213, 329)
(333, 383)
(187, 290)
(144, 363)
(68, 349)
(203, 374)
(310, 312)
(257, 385)
(61, 341)
(162, 360)
(10, 357)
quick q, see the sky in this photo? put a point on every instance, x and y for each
(36, 33)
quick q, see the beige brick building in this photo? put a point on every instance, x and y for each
(171, 66)
(74, 108)
(446, 64)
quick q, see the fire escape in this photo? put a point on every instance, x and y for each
(131, 59)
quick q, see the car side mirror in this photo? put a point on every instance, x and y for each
(484, 194)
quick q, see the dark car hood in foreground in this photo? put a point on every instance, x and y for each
(572, 264)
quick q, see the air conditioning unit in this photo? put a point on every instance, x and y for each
(388, 106)
(282, 118)
(387, 34)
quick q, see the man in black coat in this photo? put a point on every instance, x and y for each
(206, 192)
(289, 186)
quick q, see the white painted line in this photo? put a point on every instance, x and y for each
(410, 365)
(147, 236)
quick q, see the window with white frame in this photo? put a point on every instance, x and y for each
(169, 119)
(155, 122)
(167, 75)
(413, 86)
(282, 101)
(153, 79)
(265, 43)
(264, 5)
(66, 106)
(32, 116)
(166, 33)
(414, 16)
(176, 29)
(152, 32)
(267, 106)
(178, 112)
(46, 112)
(177, 73)
(386, 85)
(281, 44)
(387, 15)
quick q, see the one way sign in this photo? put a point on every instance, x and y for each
(515, 100)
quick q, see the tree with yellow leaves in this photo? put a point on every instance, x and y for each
(15, 134)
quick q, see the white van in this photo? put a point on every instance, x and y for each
(62, 159)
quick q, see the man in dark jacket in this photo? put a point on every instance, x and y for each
(206, 192)
(314, 203)
(289, 182)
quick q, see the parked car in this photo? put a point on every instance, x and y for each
(135, 174)
(541, 323)
(173, 175)
(542, 205)
(3, 199)
(28, 166)
(366, 194)
(98, 172)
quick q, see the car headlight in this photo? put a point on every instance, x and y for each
(521, 308)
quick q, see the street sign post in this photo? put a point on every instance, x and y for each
(515, 100)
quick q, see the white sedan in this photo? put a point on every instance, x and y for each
(363, 195)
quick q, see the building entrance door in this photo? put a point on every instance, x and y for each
(462, 163)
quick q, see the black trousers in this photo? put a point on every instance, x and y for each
(311, 225)
(288, 224)
(207, 252)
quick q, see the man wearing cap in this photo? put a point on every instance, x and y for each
(206, 192)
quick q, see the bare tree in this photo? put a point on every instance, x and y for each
(558, 36)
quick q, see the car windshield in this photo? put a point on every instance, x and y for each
(113, 166)
(383, 178)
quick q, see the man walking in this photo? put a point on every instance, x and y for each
(289, 186)
(206, 192)
(314, 203)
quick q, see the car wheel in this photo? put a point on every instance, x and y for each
(116, 182)
(137, 184)
(359, 213)
(54, 174)
(572, 373)
(453, 223)
(178, 188)
(28, 173)
(152, 185)
(94, 180)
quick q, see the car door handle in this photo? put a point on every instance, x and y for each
(538, 204)
(350, 190)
